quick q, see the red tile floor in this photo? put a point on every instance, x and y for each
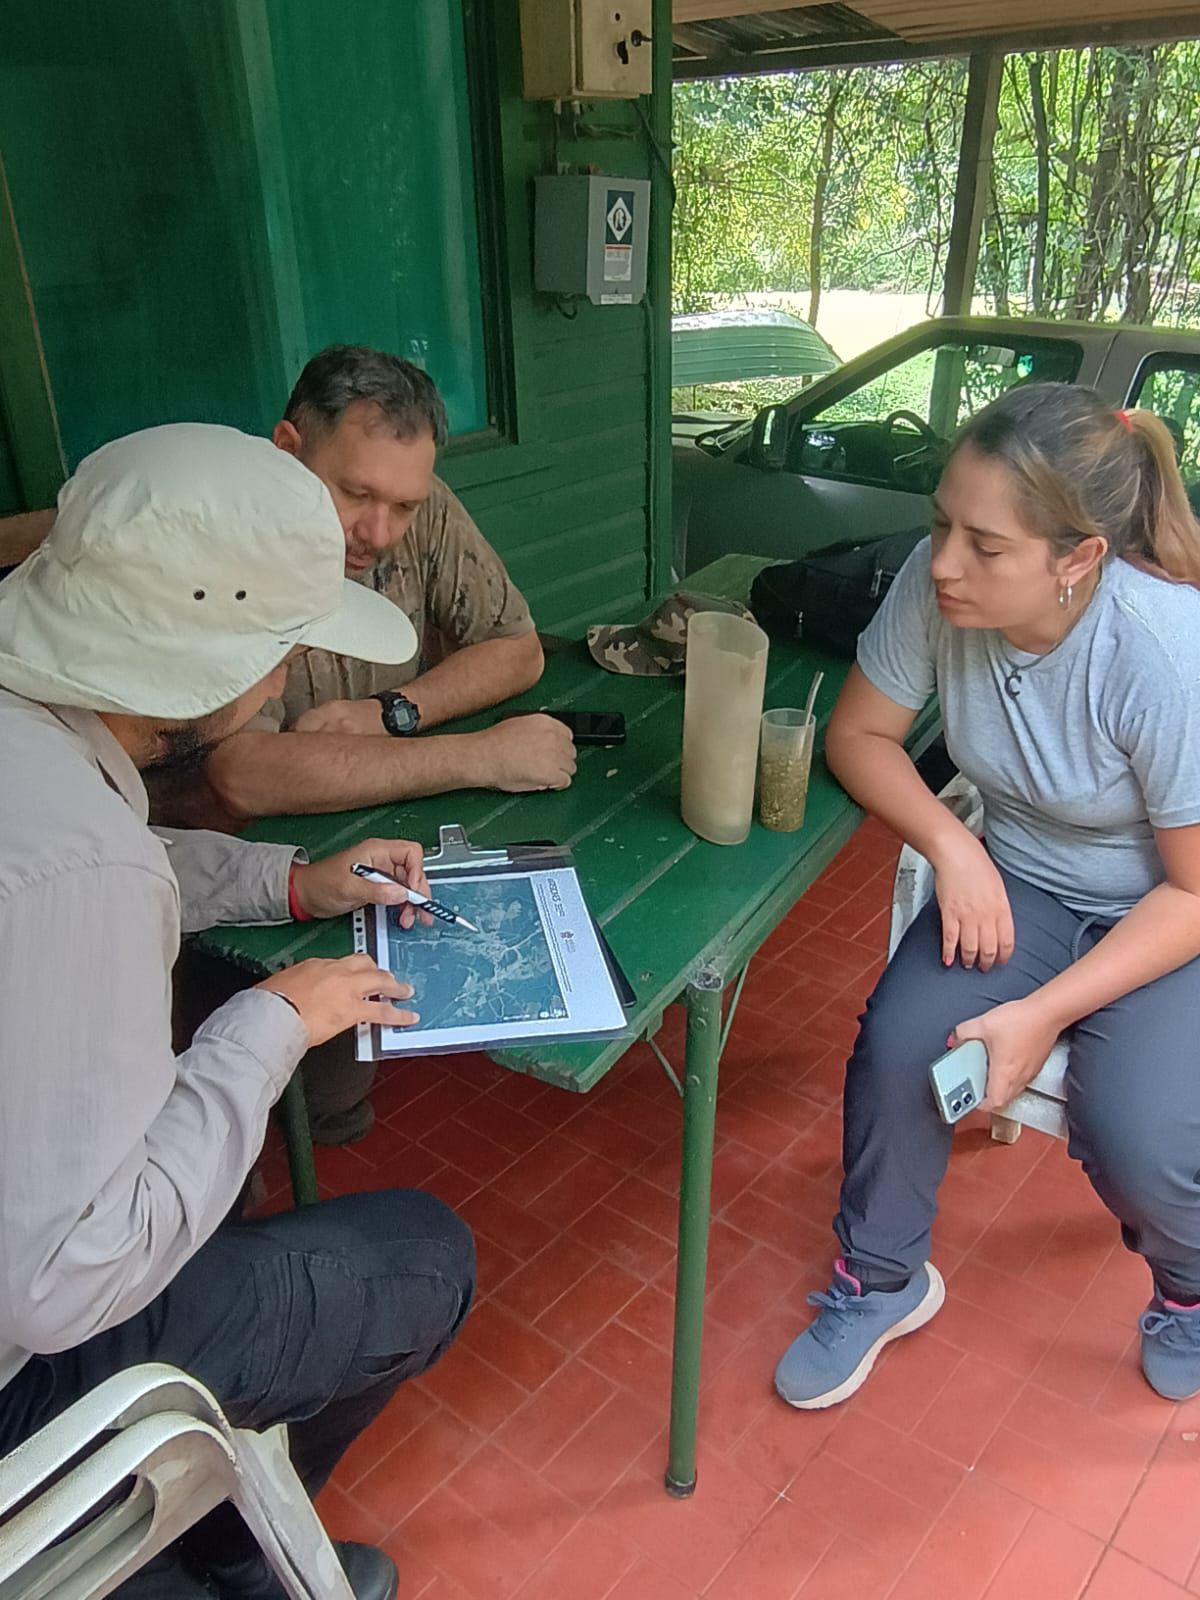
(1010, 1451)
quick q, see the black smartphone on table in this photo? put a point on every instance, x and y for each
(592, 727)
(586, 727)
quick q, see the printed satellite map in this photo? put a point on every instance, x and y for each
(503, 973)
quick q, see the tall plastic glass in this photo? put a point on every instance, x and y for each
(726, 672)
(787, 749)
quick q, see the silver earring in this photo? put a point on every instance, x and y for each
(1066, 593)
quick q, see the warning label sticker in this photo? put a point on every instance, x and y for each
(618, 262)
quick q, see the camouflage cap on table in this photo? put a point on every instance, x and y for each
(656, 646)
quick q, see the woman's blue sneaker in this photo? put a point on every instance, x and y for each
(835, 1353)
(1171, 1348)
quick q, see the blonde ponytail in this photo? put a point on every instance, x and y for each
(1168, 538)
(1082, 470)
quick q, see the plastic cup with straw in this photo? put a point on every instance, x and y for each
(785, 762)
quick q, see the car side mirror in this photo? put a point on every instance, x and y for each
(769, 439)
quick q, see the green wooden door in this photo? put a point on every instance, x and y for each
(206, 191)
(11, 498)
(31, 458)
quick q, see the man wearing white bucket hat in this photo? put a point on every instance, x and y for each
(185, 566)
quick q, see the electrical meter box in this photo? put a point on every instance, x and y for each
(590, 237)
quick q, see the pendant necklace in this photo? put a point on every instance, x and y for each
(1016, 669)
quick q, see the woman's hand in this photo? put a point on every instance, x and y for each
(1018, 1037)
(329, 889)
(976, 917)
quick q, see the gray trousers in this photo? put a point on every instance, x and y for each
(1133, 1095)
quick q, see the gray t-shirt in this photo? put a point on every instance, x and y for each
(1101, 746)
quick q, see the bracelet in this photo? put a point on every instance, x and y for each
(295, 909)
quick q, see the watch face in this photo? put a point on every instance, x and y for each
(400, 716)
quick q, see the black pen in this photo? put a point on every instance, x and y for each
(443, 913)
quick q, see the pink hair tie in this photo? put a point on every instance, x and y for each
(1126, 421)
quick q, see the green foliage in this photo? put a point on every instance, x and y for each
(747, 164)
(1094, 210)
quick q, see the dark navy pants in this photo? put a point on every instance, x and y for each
(1133, 1095)
(313, 1318)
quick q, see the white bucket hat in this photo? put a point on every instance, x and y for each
(185, 562)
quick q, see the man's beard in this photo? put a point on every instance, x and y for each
(183, 751)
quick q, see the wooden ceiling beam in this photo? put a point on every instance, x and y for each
(929, 19)
(710, 10)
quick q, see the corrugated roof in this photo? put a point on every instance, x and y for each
(728, 27)
(756, 35)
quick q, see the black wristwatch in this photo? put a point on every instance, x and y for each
(400, 716)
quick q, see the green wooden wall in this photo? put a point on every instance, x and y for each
(571, 479)
(579, 504)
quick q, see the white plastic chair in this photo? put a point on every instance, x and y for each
(1044, 1103)
(164, 1431)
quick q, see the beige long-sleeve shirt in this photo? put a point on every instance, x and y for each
(118, 1158)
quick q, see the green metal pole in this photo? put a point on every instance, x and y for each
(695, 1195)
(293, 1112)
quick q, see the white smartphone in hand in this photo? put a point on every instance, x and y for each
(959, 1079)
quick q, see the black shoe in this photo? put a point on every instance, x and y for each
(371, 1571)
(372, 1575)
(342, 1127)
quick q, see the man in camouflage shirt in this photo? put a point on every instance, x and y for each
(369, 424)
(342, 734)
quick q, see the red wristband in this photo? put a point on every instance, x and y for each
(297, 911)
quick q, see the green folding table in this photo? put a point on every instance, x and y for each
(683, 917)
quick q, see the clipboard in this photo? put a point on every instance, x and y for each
(621, 983)
(545, 980)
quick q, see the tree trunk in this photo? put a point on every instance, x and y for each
(1093, 287)
(994, 255)
(1041, 220)
(1142, 222)
(824, 169)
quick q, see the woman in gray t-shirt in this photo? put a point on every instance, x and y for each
(1055, 612)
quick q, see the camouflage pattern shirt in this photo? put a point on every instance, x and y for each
(453, 587)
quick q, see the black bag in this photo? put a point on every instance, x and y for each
(828, 597)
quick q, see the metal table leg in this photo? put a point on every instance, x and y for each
(695, 1195)
(293, 1112)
